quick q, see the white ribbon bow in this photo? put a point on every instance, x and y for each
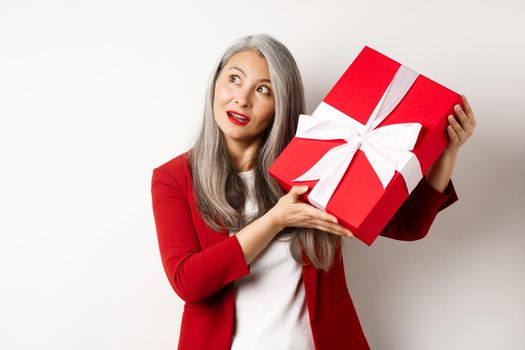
(387, 148)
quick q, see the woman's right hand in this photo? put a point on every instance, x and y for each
(291, 212)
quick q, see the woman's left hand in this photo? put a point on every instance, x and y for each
(461, 126)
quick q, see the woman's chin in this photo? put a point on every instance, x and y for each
(238, 138)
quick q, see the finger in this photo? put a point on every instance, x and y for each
(332, 228)
(328, 226)
(317, 214)
(462, 116)
(468, 110)
(452, 134)
(466, 105)
(298, 190)
(316, 218)
(336, 228)
(457, 128)
(348, 232)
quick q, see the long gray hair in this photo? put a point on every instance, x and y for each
(220, 191)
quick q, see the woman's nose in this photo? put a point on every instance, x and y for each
(242, 98)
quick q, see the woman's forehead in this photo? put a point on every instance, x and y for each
(249, 63)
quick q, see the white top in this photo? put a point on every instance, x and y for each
(270, 304)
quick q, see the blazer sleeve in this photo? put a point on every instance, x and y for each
(194, 273)
(413, 219)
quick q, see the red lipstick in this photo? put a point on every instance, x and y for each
(237, 118)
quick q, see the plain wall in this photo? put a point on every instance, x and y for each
(94, 95)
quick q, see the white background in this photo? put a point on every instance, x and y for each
(95, 94)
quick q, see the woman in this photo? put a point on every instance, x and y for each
(257, 268)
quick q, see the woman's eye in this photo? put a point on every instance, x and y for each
(234, 79)
(263, 89)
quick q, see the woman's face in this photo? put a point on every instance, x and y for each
(244, 104)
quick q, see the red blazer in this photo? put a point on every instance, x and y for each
(201, 264)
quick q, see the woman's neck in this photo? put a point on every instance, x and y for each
(242, 154)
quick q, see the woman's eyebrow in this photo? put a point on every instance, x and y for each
(240, 70)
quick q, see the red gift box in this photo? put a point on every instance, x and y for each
(374, 135)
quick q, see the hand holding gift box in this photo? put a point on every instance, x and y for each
(366, 146)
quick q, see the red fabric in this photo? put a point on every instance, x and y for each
(201, 265)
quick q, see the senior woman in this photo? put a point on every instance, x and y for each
(256, 267)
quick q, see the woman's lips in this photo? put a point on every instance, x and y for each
(237, 118)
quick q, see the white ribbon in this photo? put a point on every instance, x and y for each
(387, 148)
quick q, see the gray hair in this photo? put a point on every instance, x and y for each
(220, 190)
